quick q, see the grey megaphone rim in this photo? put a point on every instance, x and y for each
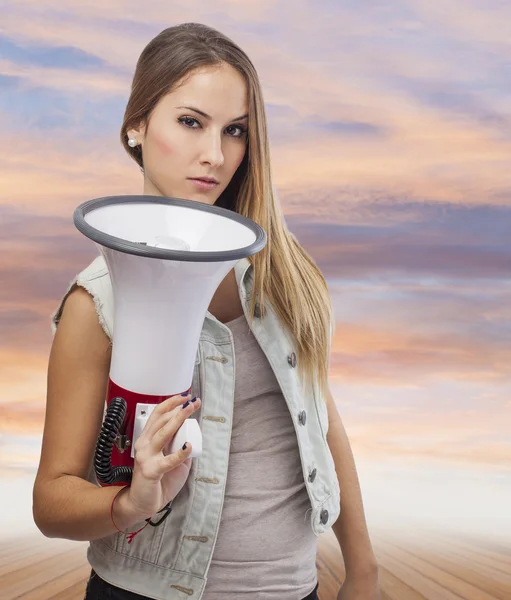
(116, 243)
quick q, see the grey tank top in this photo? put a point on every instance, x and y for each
(266, 549)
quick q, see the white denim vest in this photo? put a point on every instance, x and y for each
(171, 561)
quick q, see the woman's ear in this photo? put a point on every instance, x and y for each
(137, 134)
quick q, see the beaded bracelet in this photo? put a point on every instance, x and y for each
(129, 536)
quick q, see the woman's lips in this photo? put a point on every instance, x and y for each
(204, 185)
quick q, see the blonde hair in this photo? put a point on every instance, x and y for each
(284, 273)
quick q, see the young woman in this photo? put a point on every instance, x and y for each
(245, 515)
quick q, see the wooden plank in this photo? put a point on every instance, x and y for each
(481, 565)
(476, 564)
(426, 587)
(16, 547)
(393, 588)
(66, 584)
(492, 545)
(483, 547)
(424, 570)
(477, 555)
(33, 552)
(35, 574)
(497, 585)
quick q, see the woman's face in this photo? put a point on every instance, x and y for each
(180, 144)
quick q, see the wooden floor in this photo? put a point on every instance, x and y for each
(435, 568)
(439, 567)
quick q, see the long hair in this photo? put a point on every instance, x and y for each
(284, 274)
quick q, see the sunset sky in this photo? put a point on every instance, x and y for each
(390, 130)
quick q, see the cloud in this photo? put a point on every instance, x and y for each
(286, 124)
(100, 85)
(477, 22)
(18, 419)
(9, 82)
(38, 259)
(23, 376)
(43, 176)
(462, 422)
(400, 237)
(51, 112)
(124, 27)
(454, 439)
(67, 57)
(394, 357)
(346, 128)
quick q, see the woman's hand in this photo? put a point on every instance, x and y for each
(157, 476)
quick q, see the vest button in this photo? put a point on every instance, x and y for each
(323, 518)
(302, 417)
(312, 475)
(291, 359)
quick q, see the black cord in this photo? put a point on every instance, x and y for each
(168, 509)
(114, 419)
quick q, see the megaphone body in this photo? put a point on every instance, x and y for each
(166, 258)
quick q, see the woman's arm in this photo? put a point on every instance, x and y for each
(350, 528)
(65, 504)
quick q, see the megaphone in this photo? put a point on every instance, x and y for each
(166, 257)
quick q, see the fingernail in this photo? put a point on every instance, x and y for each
(185, 394)
(186, 403)
(184, 446)
(193, 399)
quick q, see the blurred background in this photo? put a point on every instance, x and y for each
(390, 129)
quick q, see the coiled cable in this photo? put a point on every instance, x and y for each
(114, 418)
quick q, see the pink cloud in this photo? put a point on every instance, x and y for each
(374, 354)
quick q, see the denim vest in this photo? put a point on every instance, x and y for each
(171, 561)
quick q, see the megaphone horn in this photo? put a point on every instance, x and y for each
(166, 258)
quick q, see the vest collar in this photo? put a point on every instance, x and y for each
(241, 268)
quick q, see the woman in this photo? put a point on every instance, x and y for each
(246, 515)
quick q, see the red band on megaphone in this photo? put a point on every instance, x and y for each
(121, 452)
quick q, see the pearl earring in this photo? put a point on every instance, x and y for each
(132, 142)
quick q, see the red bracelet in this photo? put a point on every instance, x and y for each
(129, 536)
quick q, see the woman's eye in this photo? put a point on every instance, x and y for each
(233, 130)
(241, 130)
(186, 121)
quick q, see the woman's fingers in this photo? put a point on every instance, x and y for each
(168, 430)
(171, 461)
(161, 411)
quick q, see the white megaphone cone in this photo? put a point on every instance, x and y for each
(166, 257)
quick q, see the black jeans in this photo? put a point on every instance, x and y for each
(99, 589)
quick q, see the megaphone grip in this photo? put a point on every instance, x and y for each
(113, 460)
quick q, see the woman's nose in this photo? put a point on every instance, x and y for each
(212, 152)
